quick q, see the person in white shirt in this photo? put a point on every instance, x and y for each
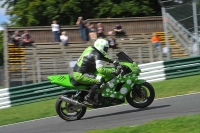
(56, 30)
(64, 38)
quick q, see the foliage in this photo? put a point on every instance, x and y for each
(40, 13)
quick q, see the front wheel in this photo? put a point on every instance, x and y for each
(141, 96)
(68, 111)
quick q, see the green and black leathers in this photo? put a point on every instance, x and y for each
(89, 62)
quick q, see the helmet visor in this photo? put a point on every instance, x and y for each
(105, 49)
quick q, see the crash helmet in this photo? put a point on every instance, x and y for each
(102, 46)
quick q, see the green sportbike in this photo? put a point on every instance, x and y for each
(117, 89)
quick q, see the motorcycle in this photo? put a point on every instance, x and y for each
(125, 86)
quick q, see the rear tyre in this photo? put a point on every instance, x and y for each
(68, 111)
(141, 97)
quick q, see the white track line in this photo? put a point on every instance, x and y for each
(99, 109)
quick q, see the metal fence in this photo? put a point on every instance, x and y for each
(33, 70)
(182, 19)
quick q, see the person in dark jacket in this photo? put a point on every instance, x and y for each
(26, 39)
(16, 39)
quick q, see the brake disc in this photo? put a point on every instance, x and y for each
(143, 95)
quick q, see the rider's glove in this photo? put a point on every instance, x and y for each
(115, 62)
(115, 72)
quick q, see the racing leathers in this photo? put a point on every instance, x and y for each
(84, 70)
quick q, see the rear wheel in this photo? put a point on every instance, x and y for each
(68, 111)
(142, 96)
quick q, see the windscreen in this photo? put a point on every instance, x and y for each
(124, 58)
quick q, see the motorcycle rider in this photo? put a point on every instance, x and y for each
(89, 62)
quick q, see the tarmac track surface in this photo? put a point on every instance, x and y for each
(111, 117)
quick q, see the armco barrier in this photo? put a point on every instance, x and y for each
(182, 67)
(162, 70)
(28, 93)
(152, 72)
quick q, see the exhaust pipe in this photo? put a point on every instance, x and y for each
(74, 102)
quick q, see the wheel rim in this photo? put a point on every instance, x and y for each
(143, 96)
(69, 111)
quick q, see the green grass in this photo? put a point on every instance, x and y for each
(183, 124)
(27, 112)
(1, 87)
(177, 86)
(46, 108)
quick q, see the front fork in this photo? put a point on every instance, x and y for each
(137, 87)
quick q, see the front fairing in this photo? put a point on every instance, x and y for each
(123, 83)
(126, 82)
(132, 66)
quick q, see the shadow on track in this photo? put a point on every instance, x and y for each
(127, 111)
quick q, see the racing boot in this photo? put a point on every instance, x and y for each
(90, 97)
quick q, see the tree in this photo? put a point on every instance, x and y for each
(9, 3)
(40, 13)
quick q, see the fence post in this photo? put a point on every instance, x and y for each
(38, 69)
(71, 65)
(33, 62)
(165, 21)
(6, 72)
(140, 55)
(151, 52)
(1, 76)
(195, 19)
(110, 54)
(54, 66)
(68, 61)
(22, 73)
(160, 53)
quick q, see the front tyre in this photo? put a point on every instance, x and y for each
(141, 96)
(68, 111)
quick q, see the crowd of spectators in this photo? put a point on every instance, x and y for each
(22, 40)
(92, 31)
(87, 31)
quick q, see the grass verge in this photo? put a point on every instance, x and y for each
(183, 124)
(46, 108)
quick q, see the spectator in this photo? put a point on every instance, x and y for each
(155, 40)
(56, 30)
(92, 32)
(100, 31)
(64, 38)
(16, 39)
(82, 28)
(26, 39)
(118, 30)
(111, 40)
